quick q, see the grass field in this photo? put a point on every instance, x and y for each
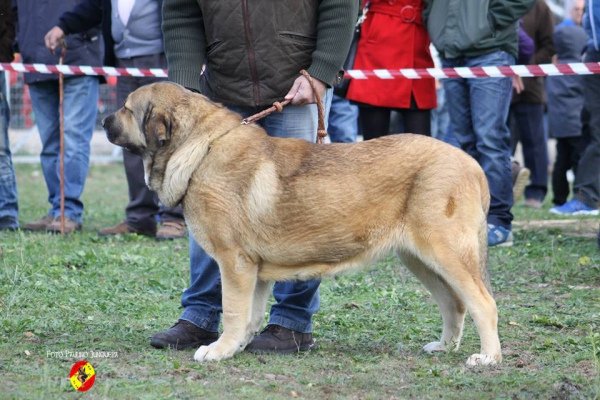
(88, 294)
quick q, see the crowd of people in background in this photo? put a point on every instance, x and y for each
(246, 70)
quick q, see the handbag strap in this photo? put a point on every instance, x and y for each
(364, 13)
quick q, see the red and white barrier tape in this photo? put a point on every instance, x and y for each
(82, 70)
(410, 73)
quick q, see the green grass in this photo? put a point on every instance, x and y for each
(83, 293)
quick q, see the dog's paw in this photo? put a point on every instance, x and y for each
(434, 346)
(213, 352)
(480, 359)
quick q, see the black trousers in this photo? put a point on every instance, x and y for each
(375, 121)
(143, 204)
(568, 154)
(526, 123)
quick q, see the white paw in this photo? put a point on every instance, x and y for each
(480, 359)
(434, 346)
(213, 352)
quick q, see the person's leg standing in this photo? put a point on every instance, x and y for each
(529, 117)
(44, 101)
(560, 184)
(343, 121)
(587, 180)
(460, 129)
(478, 110)
(374, 121)
(415, 120)
(9, 209)
(490, 101)
(80, 110)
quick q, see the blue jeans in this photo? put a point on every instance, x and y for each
(8, 183)
(343, 121)
(439, 116)
(296, 301)
(80, 108)
(478, 110)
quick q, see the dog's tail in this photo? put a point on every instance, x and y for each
(483, 256)
(483, 232)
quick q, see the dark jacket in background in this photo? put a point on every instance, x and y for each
(565, 93)
(91, 13)
(33, 19)
(472, 28)
(7, 32)
(539, 25)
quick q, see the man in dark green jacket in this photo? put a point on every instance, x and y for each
(253, 52)
(480, 33)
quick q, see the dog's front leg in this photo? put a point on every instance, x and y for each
(239, 276)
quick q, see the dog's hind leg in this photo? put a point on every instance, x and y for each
(463, 269)
(239, 278)
(451, 306)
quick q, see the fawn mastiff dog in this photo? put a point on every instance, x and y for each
(270, 209)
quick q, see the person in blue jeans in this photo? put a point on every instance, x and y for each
(251, 60)
(34, 19)
(586, 187)
(9, 209)
(476, 33)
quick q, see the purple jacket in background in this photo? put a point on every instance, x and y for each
(526, 46)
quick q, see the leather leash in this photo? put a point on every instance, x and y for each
(278, 106)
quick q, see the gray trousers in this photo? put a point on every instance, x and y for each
(143, 203)
(587, 180)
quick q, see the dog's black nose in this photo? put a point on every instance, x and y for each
(103, 121)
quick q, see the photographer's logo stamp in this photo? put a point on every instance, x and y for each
(82, 376)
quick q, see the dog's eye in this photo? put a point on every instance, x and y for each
(161, 142)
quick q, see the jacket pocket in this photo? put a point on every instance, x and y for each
(212, 47)
(296, 37)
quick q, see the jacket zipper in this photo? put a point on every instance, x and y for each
(250, 51)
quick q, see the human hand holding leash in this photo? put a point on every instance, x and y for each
(301, 92)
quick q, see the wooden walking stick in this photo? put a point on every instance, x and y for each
(62, 140)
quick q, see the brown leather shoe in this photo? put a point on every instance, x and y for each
(170, 230)
(277, 339)
(123, 228)
(70, 226)
(39, 225)
(183, 335)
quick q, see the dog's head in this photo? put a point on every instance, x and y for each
(146, 123)
(171, 128)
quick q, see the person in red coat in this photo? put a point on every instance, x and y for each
(393, 36)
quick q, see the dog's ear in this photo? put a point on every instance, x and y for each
(157, 128)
